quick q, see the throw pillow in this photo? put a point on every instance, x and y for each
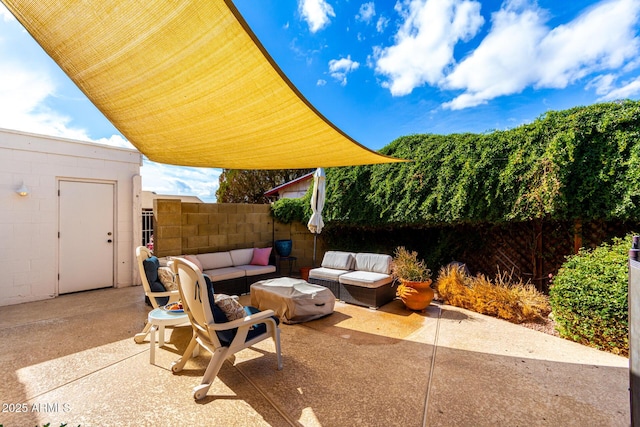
(231, 307)
(261, 256)
(167, 278)
(194, 259)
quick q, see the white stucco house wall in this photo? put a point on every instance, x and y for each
(78, 224)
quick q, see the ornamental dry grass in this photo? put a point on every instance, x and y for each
(504, 297)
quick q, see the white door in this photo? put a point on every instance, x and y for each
(86, 236)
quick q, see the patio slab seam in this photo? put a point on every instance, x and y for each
(432, 367)
(266, 396)
(85, 375)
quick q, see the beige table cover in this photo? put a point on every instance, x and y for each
(293, 300)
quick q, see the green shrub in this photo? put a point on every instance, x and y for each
(589, 297)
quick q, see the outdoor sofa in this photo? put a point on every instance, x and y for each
(356, 278)
(232, 272)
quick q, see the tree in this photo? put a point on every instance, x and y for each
(249, 186)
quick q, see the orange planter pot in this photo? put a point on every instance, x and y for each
(415, 295)
(304, 273)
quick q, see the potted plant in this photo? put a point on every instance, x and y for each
(414, 277)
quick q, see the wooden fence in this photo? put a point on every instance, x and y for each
(530, 250)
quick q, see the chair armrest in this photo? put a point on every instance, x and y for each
(254, 319)
(161, 294)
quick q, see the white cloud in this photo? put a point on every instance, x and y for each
(628, 90)
(382, 24)
(317, 13)
(505, 61)
(321, 82)
(521, 51)
(23, 91)
(339, 68)
(602, 84)
(177, 180)
(424, 43)
(367, 12)
(115, 141)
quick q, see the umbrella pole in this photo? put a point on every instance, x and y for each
(315, 236)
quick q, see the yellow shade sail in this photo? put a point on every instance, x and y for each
(188, 83)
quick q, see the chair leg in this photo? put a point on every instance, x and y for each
(217, 359)
(161, 336)
(276, 339)
(152, 349)
(196, 351)
(139, 337)
(179, 364)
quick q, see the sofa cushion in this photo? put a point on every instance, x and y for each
(260, 256)
(326, 273)
(194, 259)
(215, 260)
(151, 266)
(256, 270)
(339, 260)
(241, 256)
(225, 273)
(365, 279)
(377, 263)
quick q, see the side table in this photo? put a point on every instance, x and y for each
(291, 260)
(159, 318)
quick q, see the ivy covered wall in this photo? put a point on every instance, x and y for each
(522, 198)
(582, 163)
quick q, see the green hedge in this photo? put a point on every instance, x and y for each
(578, 163)
(589, 295)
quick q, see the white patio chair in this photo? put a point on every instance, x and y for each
(142, 254)
(212, 330)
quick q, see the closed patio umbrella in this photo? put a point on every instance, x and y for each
(317, 204)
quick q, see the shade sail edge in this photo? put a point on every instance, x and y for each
(218, 113)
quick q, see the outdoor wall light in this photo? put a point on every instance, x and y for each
(23, 190)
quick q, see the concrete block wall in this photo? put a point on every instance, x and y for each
(192, 228)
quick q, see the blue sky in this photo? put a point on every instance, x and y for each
(379, 69)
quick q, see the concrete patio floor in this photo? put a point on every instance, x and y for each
(73, 360)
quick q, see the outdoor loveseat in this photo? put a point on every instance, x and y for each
(357, 278)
